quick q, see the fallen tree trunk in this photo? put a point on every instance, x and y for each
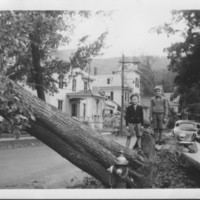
(79, 144)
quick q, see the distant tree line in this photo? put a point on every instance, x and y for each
(150, 77)
(184, 59)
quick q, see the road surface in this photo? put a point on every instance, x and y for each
(40, 167)
(36, 167)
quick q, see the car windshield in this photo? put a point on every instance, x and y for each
(187, 126)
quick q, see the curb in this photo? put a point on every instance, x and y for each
(13, 139)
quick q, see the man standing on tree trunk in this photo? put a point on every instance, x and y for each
(158, 112)
(134, 121)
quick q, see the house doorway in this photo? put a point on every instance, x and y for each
(74, 110)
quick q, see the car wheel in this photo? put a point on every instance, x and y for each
(193, 137)
(198, 133)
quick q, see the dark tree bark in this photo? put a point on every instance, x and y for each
(37, 71)
(83, 147)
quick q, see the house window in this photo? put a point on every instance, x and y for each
(74, 110)
(107, 94)
(74, 84)
(84, 110)
(60, 104)
(85, 85)
(127, 96)
(137, 82)
(61, 83)
(108, 80)
(111, 95)
(95, 71)
(64, 84)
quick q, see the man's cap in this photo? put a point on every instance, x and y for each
(158, 87)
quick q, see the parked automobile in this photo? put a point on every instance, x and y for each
(186, 130)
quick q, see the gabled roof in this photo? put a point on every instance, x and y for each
(111, 102)
(85, 93)
(108, 88)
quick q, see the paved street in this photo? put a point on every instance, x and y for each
(36, 167)
(41, 167)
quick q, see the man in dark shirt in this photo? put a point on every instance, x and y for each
(134, 121)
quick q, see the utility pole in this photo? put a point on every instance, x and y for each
(123, 62)
(122, 95)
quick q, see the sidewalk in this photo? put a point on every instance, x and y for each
(103, 132)
(107, 131)
(13, 139)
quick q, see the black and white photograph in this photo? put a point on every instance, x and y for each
(100, 99)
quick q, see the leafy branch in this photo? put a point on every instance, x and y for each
(13, 109)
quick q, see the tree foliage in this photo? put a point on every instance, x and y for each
(148, 79)
(12, 108)
(184, 56)
(28, 40)
(166, 79)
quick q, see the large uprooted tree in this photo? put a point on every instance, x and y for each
(73, 140)
(28, 39)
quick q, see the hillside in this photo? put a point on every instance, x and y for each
(160, 63)
(107, 65)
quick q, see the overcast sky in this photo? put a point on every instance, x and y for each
(128, 27)
(130, 31)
